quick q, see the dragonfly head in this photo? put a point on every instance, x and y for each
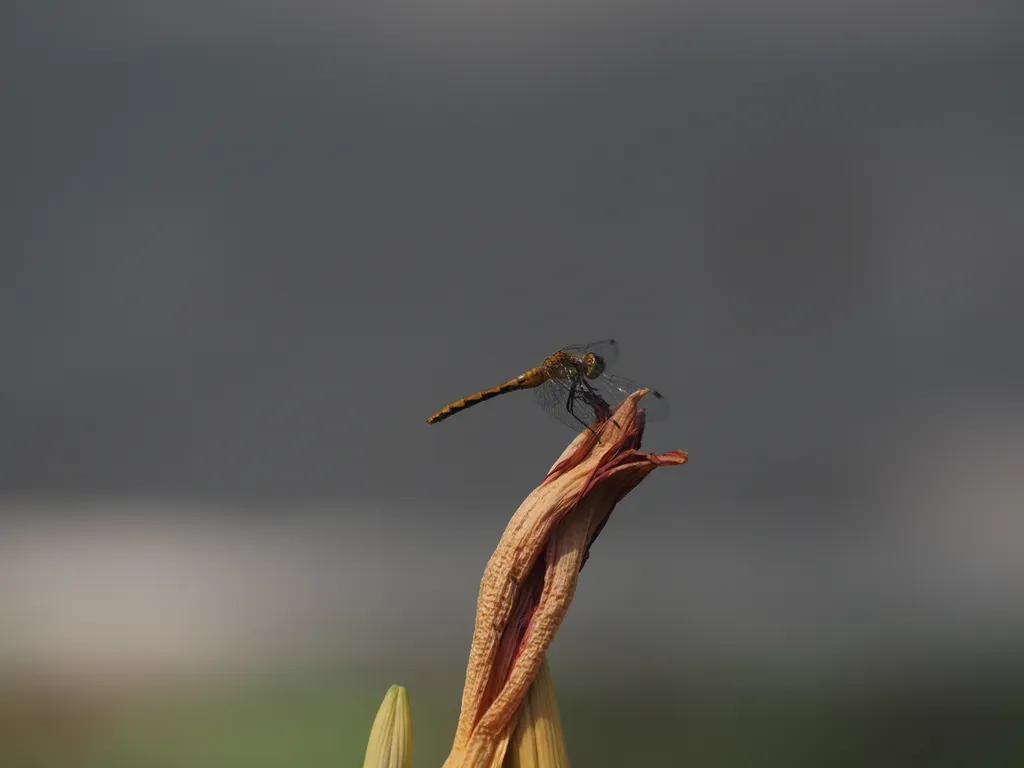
(593, 365)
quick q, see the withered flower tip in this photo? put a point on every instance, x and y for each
(530, 579)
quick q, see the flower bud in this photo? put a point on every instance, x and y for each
(390, 744)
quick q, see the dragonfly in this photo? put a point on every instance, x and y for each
(573, 385)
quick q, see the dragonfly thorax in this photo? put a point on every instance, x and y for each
(593, 365)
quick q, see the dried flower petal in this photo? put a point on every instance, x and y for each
(530, 579)
(390, 744)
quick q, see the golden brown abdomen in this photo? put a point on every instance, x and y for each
(532, 378)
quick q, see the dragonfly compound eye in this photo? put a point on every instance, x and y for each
(595, 366)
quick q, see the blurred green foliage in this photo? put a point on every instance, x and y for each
(323, 721)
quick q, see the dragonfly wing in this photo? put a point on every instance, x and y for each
(614, 389)
(606, 348)
(557, 396)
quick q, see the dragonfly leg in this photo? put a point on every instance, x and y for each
(600, 405)
(568, 402)
(571, 401)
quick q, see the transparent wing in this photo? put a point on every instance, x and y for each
(614, 389)
(606, 348)
(568, 404)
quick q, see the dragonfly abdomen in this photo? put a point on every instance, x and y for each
(531, 378)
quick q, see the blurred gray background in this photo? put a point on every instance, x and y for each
(247, 250)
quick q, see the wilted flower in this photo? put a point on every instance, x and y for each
(530, 579)
(390, 744)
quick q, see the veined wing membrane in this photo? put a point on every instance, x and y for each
(606, 348)
(557, 396)
(614, 389)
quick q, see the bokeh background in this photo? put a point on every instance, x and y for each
(248, 249)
